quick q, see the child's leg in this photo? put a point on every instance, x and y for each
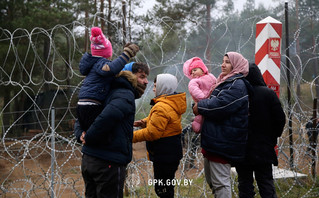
(164, 173)
(197, 123)
(87, 112)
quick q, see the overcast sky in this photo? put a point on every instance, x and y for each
(267, 3)
(238, 3)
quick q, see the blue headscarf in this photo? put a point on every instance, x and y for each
(128, 67)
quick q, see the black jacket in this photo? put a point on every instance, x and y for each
(171, 152)
(266, 120)
(225, 128)
(110, 136)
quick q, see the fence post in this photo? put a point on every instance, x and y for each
(52, 149)
(288, 90)
(313, 143)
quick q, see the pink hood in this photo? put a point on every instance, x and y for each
(192, 63)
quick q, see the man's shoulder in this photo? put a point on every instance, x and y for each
(122, 92)
(265, 91)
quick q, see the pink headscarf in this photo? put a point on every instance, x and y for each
(240, 66)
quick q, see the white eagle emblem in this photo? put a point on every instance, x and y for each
(274, 45)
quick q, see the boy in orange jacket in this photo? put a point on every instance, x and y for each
(162, 132)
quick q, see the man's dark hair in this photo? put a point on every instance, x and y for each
(140, 67)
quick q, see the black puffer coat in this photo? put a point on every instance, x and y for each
(225, 128)
(266, 120)
(110, 136)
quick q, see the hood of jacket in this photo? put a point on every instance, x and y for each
(126, 79)
(86, 63)
(192, 63)
(166, 84)
(177, 101)
(254, 76)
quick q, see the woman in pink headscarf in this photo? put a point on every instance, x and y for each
(225, 128)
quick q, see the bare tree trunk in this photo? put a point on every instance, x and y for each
(1, 116)
(317, 80)
(102, 15)
(208, 35)
(47, 70)
(95, 11)
(18, 108)
(109, 30)
(129, 21)
(67, 64)
(314, 52)
(124, 21)
(298, 53)
(6, 116)
(86, 35)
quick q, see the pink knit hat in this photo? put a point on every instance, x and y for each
(192, 63)
(100, 46)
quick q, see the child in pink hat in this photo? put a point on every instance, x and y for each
(99, 72)
(200, 84)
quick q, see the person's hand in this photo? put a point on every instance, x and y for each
(140, 123)
(82, 137)
(195, 109)
(131, 49)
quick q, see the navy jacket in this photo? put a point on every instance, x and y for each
(97, 82)
(225, 127)
(266, 120)
(110, 136)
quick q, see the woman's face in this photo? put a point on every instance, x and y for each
(226, 66)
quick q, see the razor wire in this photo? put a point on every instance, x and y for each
(43, 83)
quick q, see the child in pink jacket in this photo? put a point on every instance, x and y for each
(201, 82)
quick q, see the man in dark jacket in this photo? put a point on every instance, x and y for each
(107, 144)
(266, 123)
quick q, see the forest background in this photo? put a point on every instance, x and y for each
(41, 43)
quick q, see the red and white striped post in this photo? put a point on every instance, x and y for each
(268, 51)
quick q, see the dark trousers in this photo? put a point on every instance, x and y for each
(87, 114)
(263, 176)
(164, 173)
(102, 178)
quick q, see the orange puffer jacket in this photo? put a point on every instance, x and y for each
(164, 119)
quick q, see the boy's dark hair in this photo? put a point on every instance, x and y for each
(140, 67)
